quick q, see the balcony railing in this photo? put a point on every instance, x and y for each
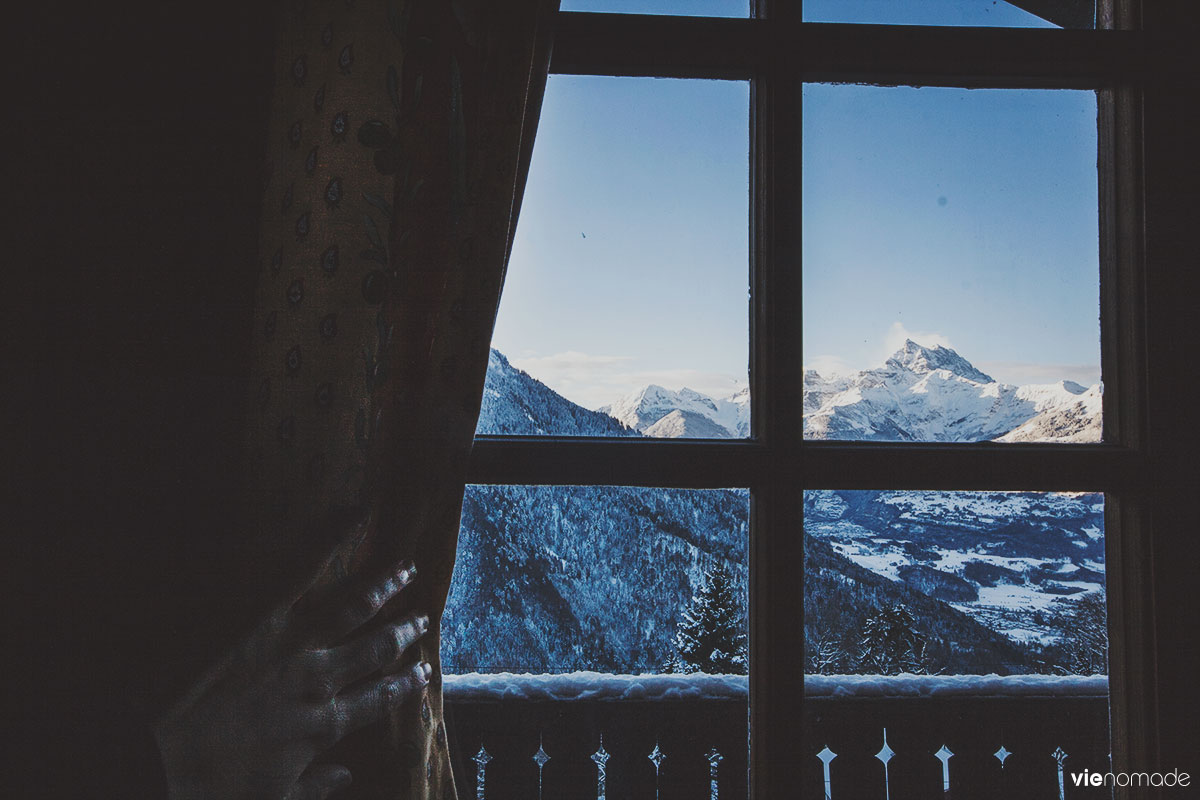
(586, 736)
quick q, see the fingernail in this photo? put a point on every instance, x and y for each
(406, 573)
(423, 623)
(422, 671)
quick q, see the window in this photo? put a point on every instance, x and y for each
(780, 54)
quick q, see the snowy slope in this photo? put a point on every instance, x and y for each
(680, 424)
(1017, 561)
(514, 403)
(1073, 419)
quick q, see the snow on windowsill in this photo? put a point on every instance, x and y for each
(476, 686)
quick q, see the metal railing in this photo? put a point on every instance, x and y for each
(597, 737)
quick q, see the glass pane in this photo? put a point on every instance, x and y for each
(954, 583)
(974, 13)
(951, 265)
(628, 283)
(553, 579)
(595, 594)
(966, 628)
(688, 8)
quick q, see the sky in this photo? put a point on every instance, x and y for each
(897, 12)
(953, 217)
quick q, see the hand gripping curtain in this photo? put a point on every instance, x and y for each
(400, 137)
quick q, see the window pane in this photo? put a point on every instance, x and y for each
(961, 636)
(596, 593)
(975, 13)
(951, 265)
(954, 582)
(689, 8)
(628, 283)
(553, 579)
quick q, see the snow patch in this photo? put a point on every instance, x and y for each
(593, 686)
(602, 686)
(955, 685)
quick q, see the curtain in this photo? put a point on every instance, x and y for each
(400, 138)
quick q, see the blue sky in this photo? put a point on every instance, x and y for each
(956, 217)
(964, 218)
(897, 12)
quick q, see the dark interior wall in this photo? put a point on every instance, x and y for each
(139, 138)
(1172, 294)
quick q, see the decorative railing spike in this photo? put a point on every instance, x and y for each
(944, 755)
(656, 757)
(1060, 756)
(827, 755)
(481, 760)
(601, 757)
(885, 755)
(540, 758)
(714, 758)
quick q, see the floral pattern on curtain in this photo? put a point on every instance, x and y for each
(399, 141)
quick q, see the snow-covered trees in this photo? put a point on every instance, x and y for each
(711, 635)
(825, 653)
(1085, 641)
(890, 643)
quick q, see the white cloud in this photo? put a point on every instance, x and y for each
(596, 380)
(570, 361)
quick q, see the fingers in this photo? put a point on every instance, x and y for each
(320, 781)
(357, 607)
(374, 702)
(375, 650)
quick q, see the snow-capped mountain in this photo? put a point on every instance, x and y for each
(560, 578)
(516, 404)
(691, 413)
(926, 394)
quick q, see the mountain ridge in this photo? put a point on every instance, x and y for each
(918, 394)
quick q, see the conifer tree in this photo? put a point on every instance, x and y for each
(890, 643)
(711, 635)
(1085, 641)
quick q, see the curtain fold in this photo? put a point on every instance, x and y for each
(400, 138)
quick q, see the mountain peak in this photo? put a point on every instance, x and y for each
(922, 360)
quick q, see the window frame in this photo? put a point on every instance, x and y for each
(777, 53)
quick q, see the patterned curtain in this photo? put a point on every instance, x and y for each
(399, 143)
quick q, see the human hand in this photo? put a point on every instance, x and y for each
(251, 727)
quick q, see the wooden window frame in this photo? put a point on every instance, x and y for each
(777, 54)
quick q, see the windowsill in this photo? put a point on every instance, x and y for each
(595, 686)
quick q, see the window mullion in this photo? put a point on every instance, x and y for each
(964, 57)
(776, 546)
